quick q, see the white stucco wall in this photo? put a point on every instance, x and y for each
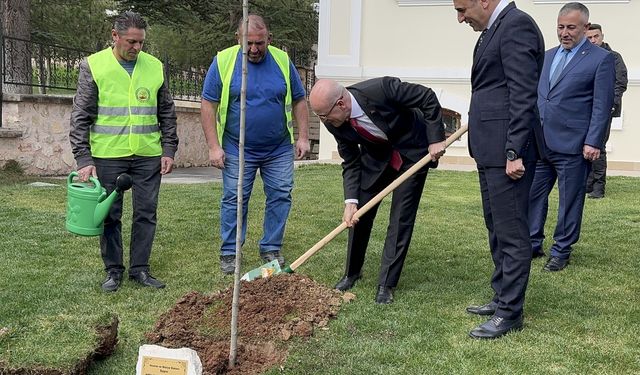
(361, 39)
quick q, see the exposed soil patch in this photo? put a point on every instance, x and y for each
(271, 311)
(105, 346)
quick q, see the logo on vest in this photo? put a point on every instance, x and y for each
(142, 94)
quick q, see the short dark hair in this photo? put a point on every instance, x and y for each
(129, 19)
(595, 26)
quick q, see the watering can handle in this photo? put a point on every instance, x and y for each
(96, 183)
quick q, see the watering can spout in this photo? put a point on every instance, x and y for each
(123, 183)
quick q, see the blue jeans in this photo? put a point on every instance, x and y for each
(277, 177)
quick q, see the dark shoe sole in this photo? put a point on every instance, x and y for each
(514, 329)
(481, 312)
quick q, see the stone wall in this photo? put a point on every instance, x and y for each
(35, 133)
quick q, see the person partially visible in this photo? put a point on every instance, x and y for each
(505, 141)
(597, 180)
(124, 121)
(383, 126)
(274, 96)
(575, 97)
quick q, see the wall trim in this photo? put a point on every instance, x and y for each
(352, 59)
(437, 75)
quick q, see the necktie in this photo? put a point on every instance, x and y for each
(396, 159)
(559, 67)
(482, 34)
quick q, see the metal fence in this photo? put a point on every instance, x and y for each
(50, 68)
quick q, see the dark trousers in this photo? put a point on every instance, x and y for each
(597, 179)
(505, 205)
(145, 173)
(571, 172)
(404, 206)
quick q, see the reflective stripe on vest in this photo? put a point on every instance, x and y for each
(226, 61)
(127, 122)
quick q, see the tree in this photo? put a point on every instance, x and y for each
(17, 47)
(190, 32)
(79, 24)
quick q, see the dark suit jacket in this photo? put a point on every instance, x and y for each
(503, 114)
(410, 116)
(576, 110)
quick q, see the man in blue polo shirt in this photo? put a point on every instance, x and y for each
(274, 94)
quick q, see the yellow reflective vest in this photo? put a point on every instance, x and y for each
(226, 61)
(127, 122)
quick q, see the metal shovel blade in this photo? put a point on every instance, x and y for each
(265, 270)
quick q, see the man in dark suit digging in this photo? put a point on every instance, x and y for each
(382, 126)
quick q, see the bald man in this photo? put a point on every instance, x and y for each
(382, 126)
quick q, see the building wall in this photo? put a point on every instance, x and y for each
(35, 133)
(423, 43)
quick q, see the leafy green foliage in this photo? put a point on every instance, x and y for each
(191, 32)
(78, 24)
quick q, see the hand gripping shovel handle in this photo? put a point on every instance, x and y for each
(375, 200)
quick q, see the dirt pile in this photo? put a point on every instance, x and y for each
(271, 311)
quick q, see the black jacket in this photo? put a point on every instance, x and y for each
(410, 116)
(621, 81)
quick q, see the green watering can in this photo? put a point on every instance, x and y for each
(88, 204)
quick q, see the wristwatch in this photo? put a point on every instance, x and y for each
(512, 155)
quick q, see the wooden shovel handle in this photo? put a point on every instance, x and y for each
(375, 200)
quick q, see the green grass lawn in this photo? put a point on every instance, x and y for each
(583, 320)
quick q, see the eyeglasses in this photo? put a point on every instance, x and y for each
(324, 117)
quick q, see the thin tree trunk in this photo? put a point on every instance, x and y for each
(233, 348)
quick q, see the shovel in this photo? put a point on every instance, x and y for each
(273, 267)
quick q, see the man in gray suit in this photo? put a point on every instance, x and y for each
(505, 141)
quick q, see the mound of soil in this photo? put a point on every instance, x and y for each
(271, 311)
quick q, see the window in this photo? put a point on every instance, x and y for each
(452, 121)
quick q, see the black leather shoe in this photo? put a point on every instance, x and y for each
(595, 195)
(145, 279)
(538, 254)
(496, 327)
(555, 264)
(347, 282)
(384, 295)
(487, 309)
(112, 282)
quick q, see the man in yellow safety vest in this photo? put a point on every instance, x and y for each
(124, 121)
(274, 96)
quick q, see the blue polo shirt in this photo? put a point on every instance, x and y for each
(266, 133)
